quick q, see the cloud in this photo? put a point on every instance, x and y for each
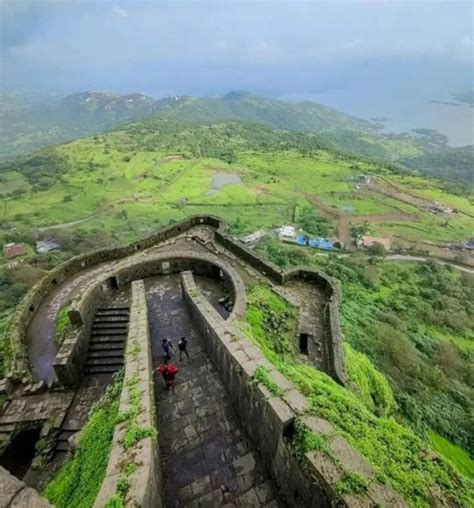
(119, 12)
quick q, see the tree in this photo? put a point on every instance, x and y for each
(376, 250)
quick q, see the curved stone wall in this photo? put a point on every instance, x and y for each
(17, 359)
(72, 354)
(269, 419)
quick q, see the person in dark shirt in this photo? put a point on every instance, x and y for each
(167, 349)
(183, 348)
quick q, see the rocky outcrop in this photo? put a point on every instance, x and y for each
(15, 494)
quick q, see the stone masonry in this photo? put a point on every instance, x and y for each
(144, 480)
(208, 459)
(15, 494)
(268, 418)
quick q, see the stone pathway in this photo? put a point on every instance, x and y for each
(207, 459)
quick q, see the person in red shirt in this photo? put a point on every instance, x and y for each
(168, 371)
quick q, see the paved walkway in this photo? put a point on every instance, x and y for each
(207, 458)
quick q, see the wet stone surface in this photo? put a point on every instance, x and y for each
(207, 460)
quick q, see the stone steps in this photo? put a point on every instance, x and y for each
(107, 341)
(109, 326)
(111, 319)
(116, 311)
(102, 369)
(105, 332)
(104, 360)
(106, 353)
(62, 440)
(114, 345)
(112, 340)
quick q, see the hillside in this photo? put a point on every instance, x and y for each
(117, 187)
(31, 125)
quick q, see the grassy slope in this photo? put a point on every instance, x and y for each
(416, 324)
(397, 454)
(455, 454)
(126, 170)
(85, 114)
(78, 482)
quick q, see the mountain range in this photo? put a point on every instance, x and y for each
(29, 124)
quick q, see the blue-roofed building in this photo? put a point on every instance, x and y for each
(321, 243)
(301, 240)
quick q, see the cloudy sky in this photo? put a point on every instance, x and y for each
(375, 57)
(202, 47)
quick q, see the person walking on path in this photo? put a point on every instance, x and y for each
(183, 348)
(168, 371)
(167, 349)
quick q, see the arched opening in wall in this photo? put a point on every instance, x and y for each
(165, 267)
(32, 308)
(304, 343)
(54, 282)
(112, 282)
(19, 454)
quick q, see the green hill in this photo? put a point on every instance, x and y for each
(414, 321)
(28, 126)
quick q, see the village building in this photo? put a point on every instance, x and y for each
(12, 250)
(47, 245)
(254, 237)
(287, 233)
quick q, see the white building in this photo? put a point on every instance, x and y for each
(287, 233)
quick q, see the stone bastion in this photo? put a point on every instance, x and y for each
(196, 257)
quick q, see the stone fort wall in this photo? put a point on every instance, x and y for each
(17, 358)
(269, 419)
(138, 465)
(71, 356)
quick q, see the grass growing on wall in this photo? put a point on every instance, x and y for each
(3, 323)
(78, 482)
(396, 453)
(62, 326)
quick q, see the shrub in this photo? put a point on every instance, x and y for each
(78, 481)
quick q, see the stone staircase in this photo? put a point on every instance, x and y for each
(62, 441)
(107, 341)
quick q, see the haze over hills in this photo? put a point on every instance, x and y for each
(33, 124)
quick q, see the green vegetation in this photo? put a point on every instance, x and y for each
(304, 441)
(397, 454)
(262, 376)
(50, 122)
(408, 328)
(63, 325)
(415, 322)
(455, 454)
(352, 483)
(78, 482)
(4, 316)
(134, 432)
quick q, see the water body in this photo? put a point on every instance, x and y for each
(220, 180)
(402, 108)
(402, 111)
